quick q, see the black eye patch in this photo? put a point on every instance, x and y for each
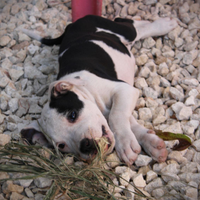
(67, 102)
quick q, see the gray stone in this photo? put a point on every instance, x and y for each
(15, 195)
(4, 102)
(15, 9)
(124, 11)
(178, 185)
(11, 126)
(177, 156)
(176, 94)
(158, 167)
(46, 69)
(32, 49)
(34, 109)
(23, 182)
(191, 46)
(196, 157)
(4, 81)
(159, 119)
(174, 128)
(187, 59)
(8, 187)
(32, 72)
(190, 167)
(182, 111)
(192, 193)
(151, 103)
(179, 42)
(164, 82)
(2, 117)
(132, 9)
(184, 8)
(156, 183)
(149, 43)
(150, 2)
(149, 92)
(174, 34)
(145, 114)
(4, 139)
(42, 90)
(168, 54)
(142, 160)
(4, 40)
(42, 182)
(29, 193)
(196, 62)
(23, 107)
(144, 72)
(120, 2)
(190, 101)
(163, 69)
(158, 193)
(196, 145)
(13, 104)
(190, 81)
(6, 64)
(141, 60)
(173, 168)
(140, 83)
(151, 175)
(39, 196)
(23, 37)
(185, 113)
(125, 178)
(188, 177)
(129, 193)
(139, 181)
(16, 74)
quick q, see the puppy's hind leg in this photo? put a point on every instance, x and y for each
(159, 27)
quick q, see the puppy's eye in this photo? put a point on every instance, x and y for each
(72, 116)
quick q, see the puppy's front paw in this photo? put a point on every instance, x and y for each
(154, 146)
(127, 148)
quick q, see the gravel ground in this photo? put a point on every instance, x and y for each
(168, 79)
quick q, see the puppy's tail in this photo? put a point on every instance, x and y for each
(35, 35)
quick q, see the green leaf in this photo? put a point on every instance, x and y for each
(184, 141)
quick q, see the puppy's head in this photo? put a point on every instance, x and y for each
(72, 120)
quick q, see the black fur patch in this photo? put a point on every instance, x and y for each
(87, 56)
(66, 103)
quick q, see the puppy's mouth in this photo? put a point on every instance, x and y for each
(105, 135)
(90, 148)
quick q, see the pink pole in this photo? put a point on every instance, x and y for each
(81, 8)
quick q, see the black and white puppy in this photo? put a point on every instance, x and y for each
(94, 94)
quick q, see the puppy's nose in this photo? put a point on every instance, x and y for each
(88, 146)
(61, 146)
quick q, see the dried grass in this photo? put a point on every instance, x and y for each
(91, 181)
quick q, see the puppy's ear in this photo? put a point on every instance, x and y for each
(58, 88)
(62, 87)
(33, 135)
